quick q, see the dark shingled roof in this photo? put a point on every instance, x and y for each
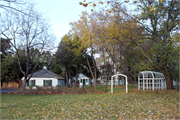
(46, 74)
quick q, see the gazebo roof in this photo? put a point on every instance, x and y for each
(150, 74)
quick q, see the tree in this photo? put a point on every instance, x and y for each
(9, 69)
(85, 30)
(27, 32)
(63, 57)
(153, 31)
(15, 5)
(160, 31)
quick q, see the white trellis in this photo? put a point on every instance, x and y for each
(116, 78)
(150, 80)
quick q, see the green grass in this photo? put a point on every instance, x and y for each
(91, 106)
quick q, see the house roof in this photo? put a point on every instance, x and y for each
(84, 77)
(45, 74)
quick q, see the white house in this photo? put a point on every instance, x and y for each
(45, 78)
(84, 80)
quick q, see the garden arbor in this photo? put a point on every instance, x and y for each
(151, 80)
(116, 76)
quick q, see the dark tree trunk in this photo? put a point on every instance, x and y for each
(67, 78)
(76, 75)
(105, 68)
(168, 79)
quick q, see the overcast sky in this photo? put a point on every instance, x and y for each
(60, 13)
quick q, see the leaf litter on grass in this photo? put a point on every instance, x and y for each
(91, 106)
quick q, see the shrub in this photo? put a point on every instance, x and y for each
(89, 87)
(39, 88)
(135, 86)
(130, 86)
(58, 87)
(30, 88)
(101, 88)
(65, 86)
(75, 88)
(51, 88)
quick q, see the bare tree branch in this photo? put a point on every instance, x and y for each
(27, 32)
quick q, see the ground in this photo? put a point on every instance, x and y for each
(119, 105)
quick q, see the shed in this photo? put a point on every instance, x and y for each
(150, 80)
(84, 80)
(45, 78)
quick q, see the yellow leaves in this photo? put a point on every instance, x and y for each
(113, 9)
(160, 1)
(91, 10)
(151, 8)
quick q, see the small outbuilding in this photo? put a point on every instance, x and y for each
(45, 78)
(84, 80)
(150, 80)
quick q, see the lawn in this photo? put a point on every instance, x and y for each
(91, 106)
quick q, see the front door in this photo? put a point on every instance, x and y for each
(83, 82)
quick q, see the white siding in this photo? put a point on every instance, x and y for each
(81, 81)
(39, 81)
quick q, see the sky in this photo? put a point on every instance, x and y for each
(60, 13)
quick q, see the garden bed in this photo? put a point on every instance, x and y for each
(64, 90)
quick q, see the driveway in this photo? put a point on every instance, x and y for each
(8, 90)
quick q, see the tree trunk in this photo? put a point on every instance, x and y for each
(168, 79)
(105, 68)
(76, 75)
(24, 84)
(67, 78)
(95, 82)
(90, 70)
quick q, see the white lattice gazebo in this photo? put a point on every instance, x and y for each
(150, 80)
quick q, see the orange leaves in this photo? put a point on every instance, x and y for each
(135, 2)
(127, 1)
(80, 3)
(101, 2)
(91, 10)
(153, 11)
(85, 5)
(94, 5)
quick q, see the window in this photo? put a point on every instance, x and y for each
(31, 83)
(47, 83)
